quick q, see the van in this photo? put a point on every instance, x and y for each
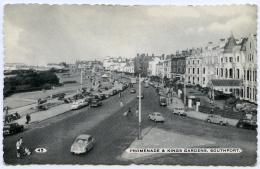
(163, 101)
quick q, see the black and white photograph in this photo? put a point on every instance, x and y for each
(130, 84)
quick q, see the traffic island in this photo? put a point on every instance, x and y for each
(154, 138)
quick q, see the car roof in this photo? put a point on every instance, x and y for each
(83, 136)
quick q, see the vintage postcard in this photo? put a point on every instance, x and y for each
(120, 85)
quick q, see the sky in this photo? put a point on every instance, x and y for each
(40, 34)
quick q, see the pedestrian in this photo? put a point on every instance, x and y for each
(121, 104)
(130, 112)
(6, 110)
(28, 118)
(119, 95)
(18, 148)
(171, 99)
(136, 111)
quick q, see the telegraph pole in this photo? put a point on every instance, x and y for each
(80, 79)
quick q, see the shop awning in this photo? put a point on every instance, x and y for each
(232, 83)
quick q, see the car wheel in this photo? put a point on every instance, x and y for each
(221, 123)
(241, 126)
(208, 121)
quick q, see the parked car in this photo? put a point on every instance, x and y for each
(247, 123)
(67, 100)
(102, 96)
(156, 116)
(12, 128)
(42, 107)
(180, 111)
(132, 91)
(11, 117)
(163, 101)
(78, 96)
(142, 96)
(216, 119)
(79, 104)
(95, 103)
(82, 144)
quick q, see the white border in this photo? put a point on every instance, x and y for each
(123, 2)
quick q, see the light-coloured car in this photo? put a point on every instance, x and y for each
(132, 91)
(82, 144)
(180, 111)
(156, 116)
(79, 104)
(216, 119)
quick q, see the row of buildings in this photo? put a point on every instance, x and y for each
(229, 66)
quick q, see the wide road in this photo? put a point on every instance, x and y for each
(114, 133)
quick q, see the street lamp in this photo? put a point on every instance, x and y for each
(139, 128)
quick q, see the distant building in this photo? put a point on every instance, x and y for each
(15, 66)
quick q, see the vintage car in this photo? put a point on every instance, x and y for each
(156, 116)
(12, 117)
(82, 144)
(12, 128)
(162, 101)
(79, 104)
(247, 123)
(180, 111)
(142, 96)
(132, 91)
(95, 103)
(216, 119)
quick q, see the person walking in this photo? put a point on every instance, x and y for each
(28, 118)
(121, 104)
(119, 95)
(171, 99)
(18, 148)
(136, 111)
(129, 112)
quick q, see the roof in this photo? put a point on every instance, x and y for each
(83, 136)
(226, 82)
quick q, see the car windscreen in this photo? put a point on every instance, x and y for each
(158, 114)
(81, 141)
(163, 100)
(7, 126)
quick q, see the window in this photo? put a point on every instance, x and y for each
(188, 62)
(189, 70)
(221, 72)
(250, 45)
(231, 59)
(250, 92)
(250, 75)
(203, 80)
(198, 71)
(204, 70)
(193, 62)
(247, 74)
(226, 73)
(217, 71)
(193, 71)
(238, 74)
(226, 59)
(237, 58)
(255, 76)
(230, 73)
(252, 57)
(242, 93)
(198, 62)
(221, 60)
(244, 74)
(247, 92)
(255, 94)
(198, 79)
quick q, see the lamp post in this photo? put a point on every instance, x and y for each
(139, 130)
(184, 97)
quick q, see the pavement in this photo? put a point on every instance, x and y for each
(37, 116)
(153, 138)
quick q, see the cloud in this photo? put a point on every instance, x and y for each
(240, 25)
(189, 31)
(200, 29)
(230, 10)
(173, 12)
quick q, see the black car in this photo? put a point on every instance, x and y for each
(12, 128)
(247, 123)
(102, 96)
(95, 103)
(78, 96)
